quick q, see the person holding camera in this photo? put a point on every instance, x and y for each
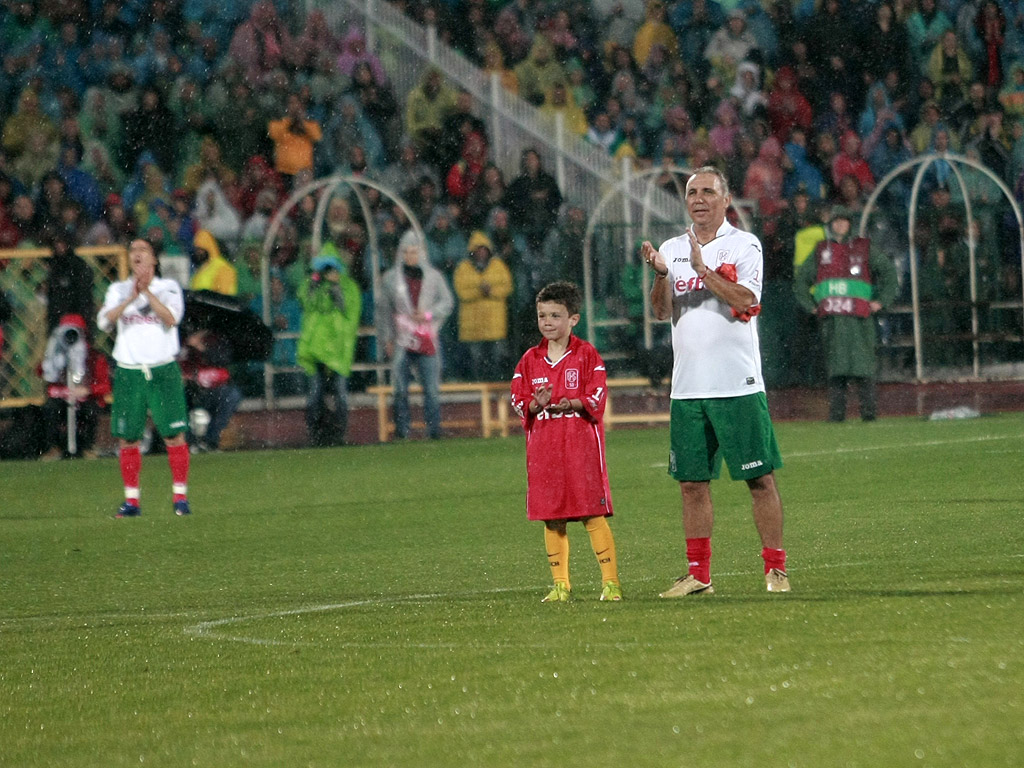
(331, 306)
(146, 309)
(77, 382)
(294, 138)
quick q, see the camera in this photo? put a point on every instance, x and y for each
(71, 337)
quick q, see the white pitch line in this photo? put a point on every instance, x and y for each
(208, 629)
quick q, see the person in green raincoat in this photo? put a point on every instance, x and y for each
(331, 305)
(845, 282)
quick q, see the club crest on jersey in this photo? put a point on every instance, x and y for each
(572, 378)
(723, 255)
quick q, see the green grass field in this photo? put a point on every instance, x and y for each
(380, 606)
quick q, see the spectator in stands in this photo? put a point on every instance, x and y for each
(654, 31)
(950, 68)
(967, 118)
(1011, 96)
(850, 162)
(209, 165)
(836, 119)
(294, 137)
(488, 194)
(724, 130)
(494, 64)
(426, 107)
(561, 256)
(990, 27)
(100, 122)
(602, 133)
(922, 136)
(696, 23)
(146, 129)
(483, 285)
(213, 271)
(69, 282)
(114, 227)
(787, 106)
(413, 304)
(215, 213)
(533, 201)
(510, 34)
(239, 123)
(885, 44)
(801, 174)
(729, 45)
(750, 99)
(349, 127)
(424, 198)
(446, 241)
(402, 175)
(925, 28)
(81, 185)
(68, 352)
(891, 151)
(378, 103)
(257, 175)
(317, 38)
(255, 227)
(994, 144)
(261, 43)
(354, 53)
(27, 121)
(539, 72)
(456, 127)
(464, 175)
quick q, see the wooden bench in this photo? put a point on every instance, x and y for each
(611, 418)
(493, 397)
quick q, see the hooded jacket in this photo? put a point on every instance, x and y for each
(395, 302)
(216, 274)
(483, 313)
(330, 319)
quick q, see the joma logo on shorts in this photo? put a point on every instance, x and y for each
(751, 465)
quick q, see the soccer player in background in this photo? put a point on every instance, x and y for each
(559, 391)
(146, 310)
(708, 283)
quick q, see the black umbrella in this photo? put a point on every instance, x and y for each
(229, 318)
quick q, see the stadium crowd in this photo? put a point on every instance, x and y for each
(192, 119)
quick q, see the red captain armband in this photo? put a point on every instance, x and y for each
(728, 271)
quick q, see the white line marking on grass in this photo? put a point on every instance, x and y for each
(210, 629)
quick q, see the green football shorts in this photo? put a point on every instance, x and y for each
(161, 393)
(705, 431)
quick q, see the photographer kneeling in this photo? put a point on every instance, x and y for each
(77, 382)
(331, 306)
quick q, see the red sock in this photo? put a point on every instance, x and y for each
(698, 553)
(177, 458)
(130, 459)
(774, 558)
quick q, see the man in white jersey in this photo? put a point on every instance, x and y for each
(146, 309)
(708, 283)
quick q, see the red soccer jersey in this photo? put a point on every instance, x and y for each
(567, 477)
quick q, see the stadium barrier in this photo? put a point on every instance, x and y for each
(492, 395)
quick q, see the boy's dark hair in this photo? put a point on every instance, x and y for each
(562, 292)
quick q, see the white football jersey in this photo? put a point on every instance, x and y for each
(142, 339)
(714, 353)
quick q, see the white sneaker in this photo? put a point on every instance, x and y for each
(688, 585)
(776, 580)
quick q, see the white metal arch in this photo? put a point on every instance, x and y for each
(326, 187)
(622, 188)
(923, 162)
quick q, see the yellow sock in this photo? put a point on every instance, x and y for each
(603, 542)
(556, 544)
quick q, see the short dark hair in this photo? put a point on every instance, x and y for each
(562, 292)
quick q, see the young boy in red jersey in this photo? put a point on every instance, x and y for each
(559, 391)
